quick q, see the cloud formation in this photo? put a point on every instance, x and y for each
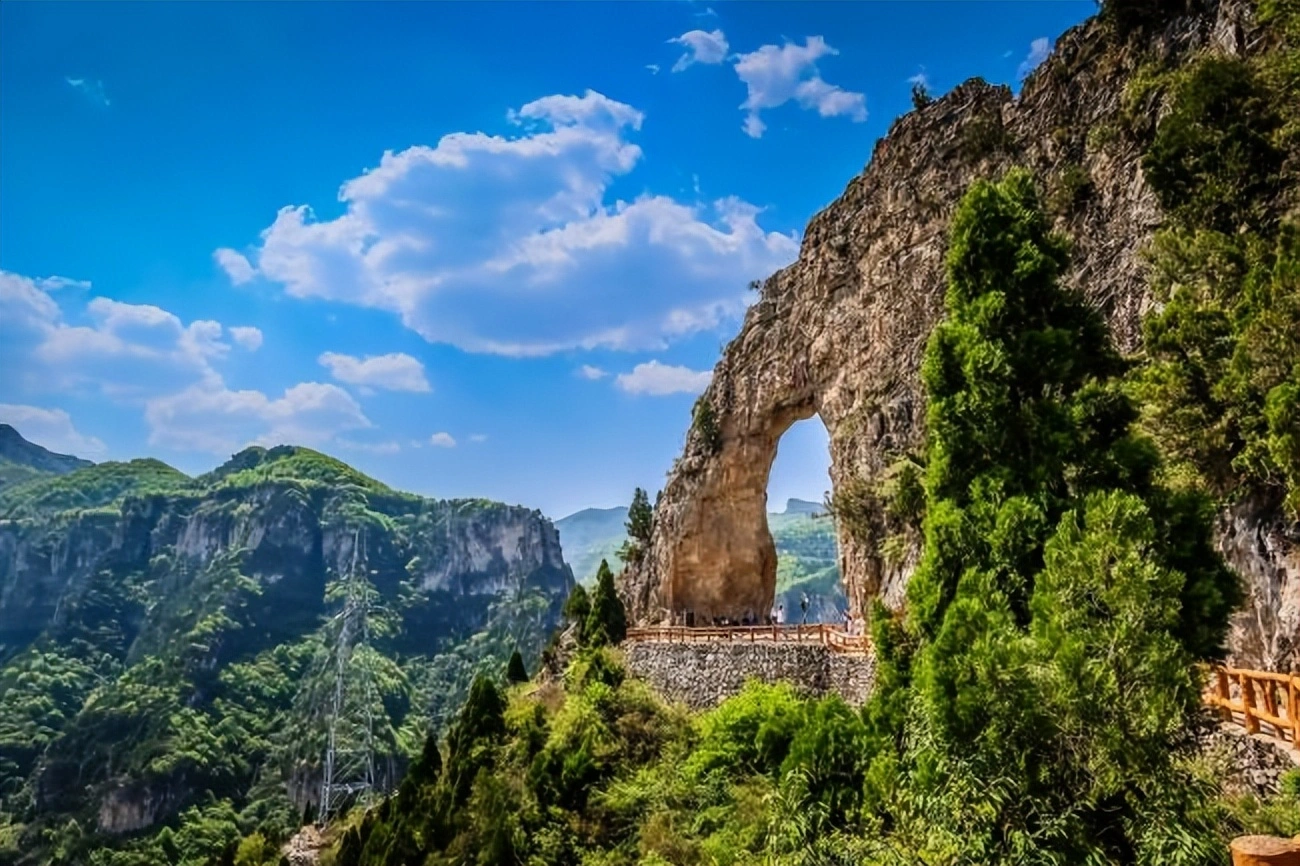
(247, 337)
(121, 350)
(1039, 49)
(235, 264)
(442, 440)
(210, 417)
(775, 75)
(392, 372)
(511, 246)
(657, 380)
(93, 91)
(587, 371)
(701, 47)
(51, 428)
(143, 355)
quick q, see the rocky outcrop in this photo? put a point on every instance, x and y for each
(703, 675)
(291, 542)
(840, 332)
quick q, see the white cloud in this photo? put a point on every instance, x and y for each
(1039, 49)
(701, 47)
(478, 437)
(389, 447)
(775, 75)
(920, 78)
(93, 91)
(658, 379)
(213, 418)
(442, 440)
(653, 67)
(511, 246)
(587, 371)
(143, 354)
(235, 264)
(122, 350)
(394, 372)
(247, 337)
(53, 284)
(51, 428)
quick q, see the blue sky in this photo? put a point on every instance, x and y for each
(473, 249)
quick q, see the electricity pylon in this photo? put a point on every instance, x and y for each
(349, 766)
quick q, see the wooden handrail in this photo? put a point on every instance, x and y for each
(834, 638)
(1278, 693)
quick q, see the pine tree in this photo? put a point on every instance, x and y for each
(607, 622)
(1062, 597)
(640, 522)
(480, 725)
(577, 608)
(515, 670)
(920, 95)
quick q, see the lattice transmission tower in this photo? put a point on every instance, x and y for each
(349, 772)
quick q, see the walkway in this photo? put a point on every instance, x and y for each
(1262, 702)
(835, 638)
(1259, 701)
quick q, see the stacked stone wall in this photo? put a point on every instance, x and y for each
(703, 675)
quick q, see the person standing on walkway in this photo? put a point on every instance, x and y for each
(780, 614)
(803, 607)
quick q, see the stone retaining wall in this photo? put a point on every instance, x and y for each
(703, 675)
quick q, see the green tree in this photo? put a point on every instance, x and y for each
(640, 521)
(1062, 597)
(515, 670)
(920, 95)
(577, 608)
(472, 739)
(607, 622)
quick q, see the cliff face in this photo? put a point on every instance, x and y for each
(463, 552)
(163, 638)
(840, 333)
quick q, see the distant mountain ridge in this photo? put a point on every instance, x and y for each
(22, 460)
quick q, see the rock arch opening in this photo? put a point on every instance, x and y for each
(725, 567)
(802, 530)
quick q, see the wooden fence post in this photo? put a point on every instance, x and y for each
(1294, 711)
(1248, 703)
(1224, 693)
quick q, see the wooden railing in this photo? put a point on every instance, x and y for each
(1252, 698)
(832, 637)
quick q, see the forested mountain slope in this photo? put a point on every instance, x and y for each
(167, 640)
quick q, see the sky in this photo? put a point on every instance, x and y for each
(473, 249)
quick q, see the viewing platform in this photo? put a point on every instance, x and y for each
(833, 637)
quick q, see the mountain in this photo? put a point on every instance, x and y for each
(590, 535)
(803, 506)
(166, 640)
(21, 460)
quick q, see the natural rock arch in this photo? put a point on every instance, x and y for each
(840, 332)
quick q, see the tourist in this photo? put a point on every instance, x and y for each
(780, 614)
(803, 606)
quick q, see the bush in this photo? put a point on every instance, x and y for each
(1213, 163)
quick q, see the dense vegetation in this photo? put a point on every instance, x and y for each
(1222, 386)
(1035, 702)
(173, 703)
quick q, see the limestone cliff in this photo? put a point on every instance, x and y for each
(840, 332)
